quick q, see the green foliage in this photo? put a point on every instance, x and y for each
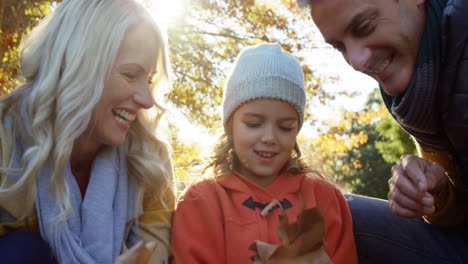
(370, 177)
(394, 140)
(373, 160)
(348, 155)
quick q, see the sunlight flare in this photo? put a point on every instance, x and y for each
(166, 11)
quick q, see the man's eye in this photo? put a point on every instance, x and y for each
(364, 29)
(367, 25)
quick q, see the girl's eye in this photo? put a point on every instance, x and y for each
(252, 125)
(286, 129)
(150, 81)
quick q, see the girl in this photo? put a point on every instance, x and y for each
(257, 163)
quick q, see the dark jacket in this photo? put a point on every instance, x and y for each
(453, 84)
(452, 104)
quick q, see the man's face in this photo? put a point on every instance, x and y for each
(377, 37)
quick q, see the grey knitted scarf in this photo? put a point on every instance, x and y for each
(95, 231)
(416, 109)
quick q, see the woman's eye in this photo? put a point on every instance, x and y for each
(150, 81)
(130, 76)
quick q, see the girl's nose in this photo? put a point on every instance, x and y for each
(268, 136)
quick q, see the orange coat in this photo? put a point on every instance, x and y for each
(211, 224)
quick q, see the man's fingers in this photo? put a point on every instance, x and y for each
(435, 176)
(410, 185)
(404, 185)
(414, 168)
(407, 202)
(402, 211)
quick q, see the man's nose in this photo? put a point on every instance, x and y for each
(358, 56)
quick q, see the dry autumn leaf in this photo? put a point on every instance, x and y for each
(302, 241)
(138, 254)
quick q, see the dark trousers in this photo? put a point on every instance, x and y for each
(381, 237)
(24, 247)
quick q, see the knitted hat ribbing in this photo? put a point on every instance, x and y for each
(264, 71)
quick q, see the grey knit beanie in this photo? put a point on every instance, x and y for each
(264, 71)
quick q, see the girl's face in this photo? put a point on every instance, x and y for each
(263, 133)
(126, 90)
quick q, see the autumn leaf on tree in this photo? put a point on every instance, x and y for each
(301, 242)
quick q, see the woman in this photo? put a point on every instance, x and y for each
(81, 163)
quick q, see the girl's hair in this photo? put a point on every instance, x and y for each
(224, 160)
(65, 61)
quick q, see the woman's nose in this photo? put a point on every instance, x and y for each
(144, 98)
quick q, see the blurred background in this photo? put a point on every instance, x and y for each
(348, 134)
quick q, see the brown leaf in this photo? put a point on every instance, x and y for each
(302, 241)
(138, 254)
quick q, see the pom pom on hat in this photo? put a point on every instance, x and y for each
(264, 71)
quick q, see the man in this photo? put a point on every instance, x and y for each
(417, 50)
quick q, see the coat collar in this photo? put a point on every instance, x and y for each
(283, 184)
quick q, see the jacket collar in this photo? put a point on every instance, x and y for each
(283, 184)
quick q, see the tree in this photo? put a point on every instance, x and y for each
(370, 172)
(16, 18)
(347, 153)
(205, 43)
(394, 141)
(203, 46)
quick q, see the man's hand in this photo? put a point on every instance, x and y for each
(412, 182)
(138, 254)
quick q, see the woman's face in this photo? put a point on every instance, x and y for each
(126, 89)
(264, 134)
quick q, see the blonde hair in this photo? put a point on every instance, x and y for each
(65, 61)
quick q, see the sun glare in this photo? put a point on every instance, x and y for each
(167, 11)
